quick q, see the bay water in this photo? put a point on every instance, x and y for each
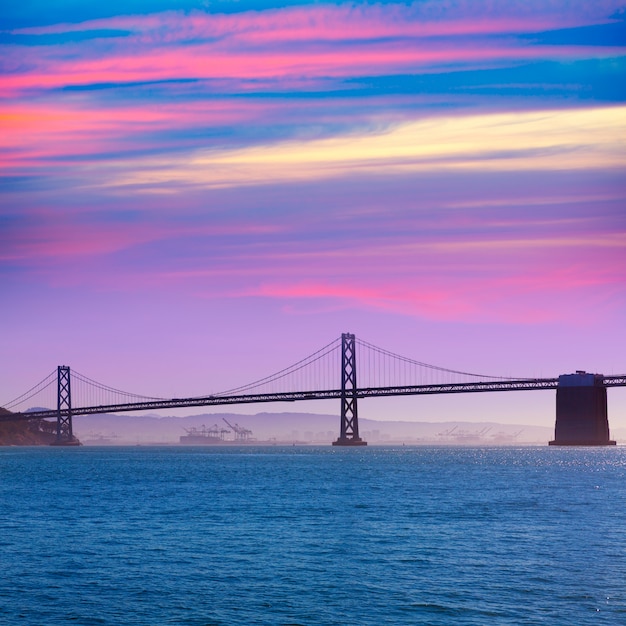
(312, 535)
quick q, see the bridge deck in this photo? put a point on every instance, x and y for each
(217, 400)
(297, 396)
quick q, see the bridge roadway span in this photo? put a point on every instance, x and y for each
(295, 396)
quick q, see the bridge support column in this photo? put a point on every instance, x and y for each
(349, 428)
(581, 411)
(65, 436)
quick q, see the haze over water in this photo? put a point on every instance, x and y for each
(312, 535)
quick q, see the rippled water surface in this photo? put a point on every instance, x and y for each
(246, 535)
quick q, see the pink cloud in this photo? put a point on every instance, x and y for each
(526, 279)
(292, 44)
(455, 265)
(67, 240)
(50, 237)
(204, 62)
(537, 295)
(350, 22)
(56, 133)
(390, 297)
(201, 62)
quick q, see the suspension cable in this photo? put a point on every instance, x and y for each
(405, 359)
(39, 387)
(95, 383)
(322, 352)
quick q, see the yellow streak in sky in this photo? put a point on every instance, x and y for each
(543, 140)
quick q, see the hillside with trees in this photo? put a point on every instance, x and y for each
(26, 432)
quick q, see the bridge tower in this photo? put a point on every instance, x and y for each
(581, 411)
(65, 436)
(349, 430)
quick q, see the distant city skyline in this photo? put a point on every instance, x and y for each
(195, 195)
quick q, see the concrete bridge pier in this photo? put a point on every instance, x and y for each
(581, 411)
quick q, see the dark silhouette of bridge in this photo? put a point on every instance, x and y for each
(581, 412)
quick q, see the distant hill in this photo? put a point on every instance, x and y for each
(306, 428)
(303, 428)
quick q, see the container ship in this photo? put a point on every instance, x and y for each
(215, 435)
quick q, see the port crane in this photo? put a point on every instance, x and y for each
(241, 434)
(216, 431)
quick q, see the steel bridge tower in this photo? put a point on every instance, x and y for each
(349, 434)
(65, 436)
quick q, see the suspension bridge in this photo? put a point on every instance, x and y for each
(328, 373)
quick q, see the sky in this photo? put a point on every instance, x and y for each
(194, 195)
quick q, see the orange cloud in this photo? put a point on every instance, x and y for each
(536, 140)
